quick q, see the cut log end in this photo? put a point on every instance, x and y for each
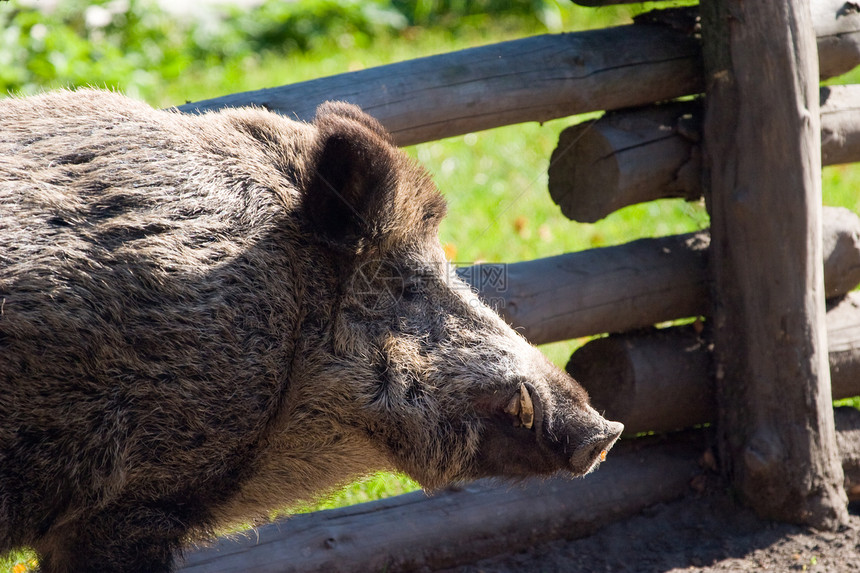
(642, 154)
(581, 160)
(624, 158)
(661, 380)
(656, 380)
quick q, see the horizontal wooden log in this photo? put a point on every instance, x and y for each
(840, 236)
(661, 380)
(654, 381)
(611, 289)
(635, 285)
(843, 345)
(415, 532)
(848, 440)
(837, 30)
(840, 124)
(532, 79)
(638, 155)
(835, 23)
(627, 157)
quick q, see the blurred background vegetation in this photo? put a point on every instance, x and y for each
(495, 181)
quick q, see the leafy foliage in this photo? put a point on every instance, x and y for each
(79, 43)
(135, 44)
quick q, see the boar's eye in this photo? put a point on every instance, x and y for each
(413, 289)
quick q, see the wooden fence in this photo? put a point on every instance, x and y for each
(762, 354)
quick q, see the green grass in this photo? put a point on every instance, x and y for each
(380, 485)
(18, 562)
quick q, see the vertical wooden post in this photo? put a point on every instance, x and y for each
(763, 171)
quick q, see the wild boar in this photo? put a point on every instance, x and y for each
(203, 318)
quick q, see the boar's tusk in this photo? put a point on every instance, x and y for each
(527, 409)
(513, 407)
(521, 406)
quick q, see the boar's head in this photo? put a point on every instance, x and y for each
(437, 381)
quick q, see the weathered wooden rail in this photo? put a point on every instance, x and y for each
(416, 532)
(532, 79)
(760, 358)
(662, 379)
(635, 285)
(654, 152)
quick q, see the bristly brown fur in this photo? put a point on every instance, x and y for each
(205, 318)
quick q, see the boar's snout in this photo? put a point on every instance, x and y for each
(588, 454)
(542, 431)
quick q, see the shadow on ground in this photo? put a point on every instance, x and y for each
(698, 534)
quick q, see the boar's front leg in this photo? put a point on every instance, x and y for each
(127, 540)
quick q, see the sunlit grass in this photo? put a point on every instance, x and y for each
(18, 562)
(852, 402)
(378, 486)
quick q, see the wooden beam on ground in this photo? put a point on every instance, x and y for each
(636, 285)
(532, 79)
(414, 532)
(763, 169)
(660, 380)
(638, 155)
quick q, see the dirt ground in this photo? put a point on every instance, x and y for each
(702, 533)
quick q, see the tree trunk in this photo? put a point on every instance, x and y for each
(763, 169)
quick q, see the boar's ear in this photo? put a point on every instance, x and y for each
(349, 111)
(352, 179)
